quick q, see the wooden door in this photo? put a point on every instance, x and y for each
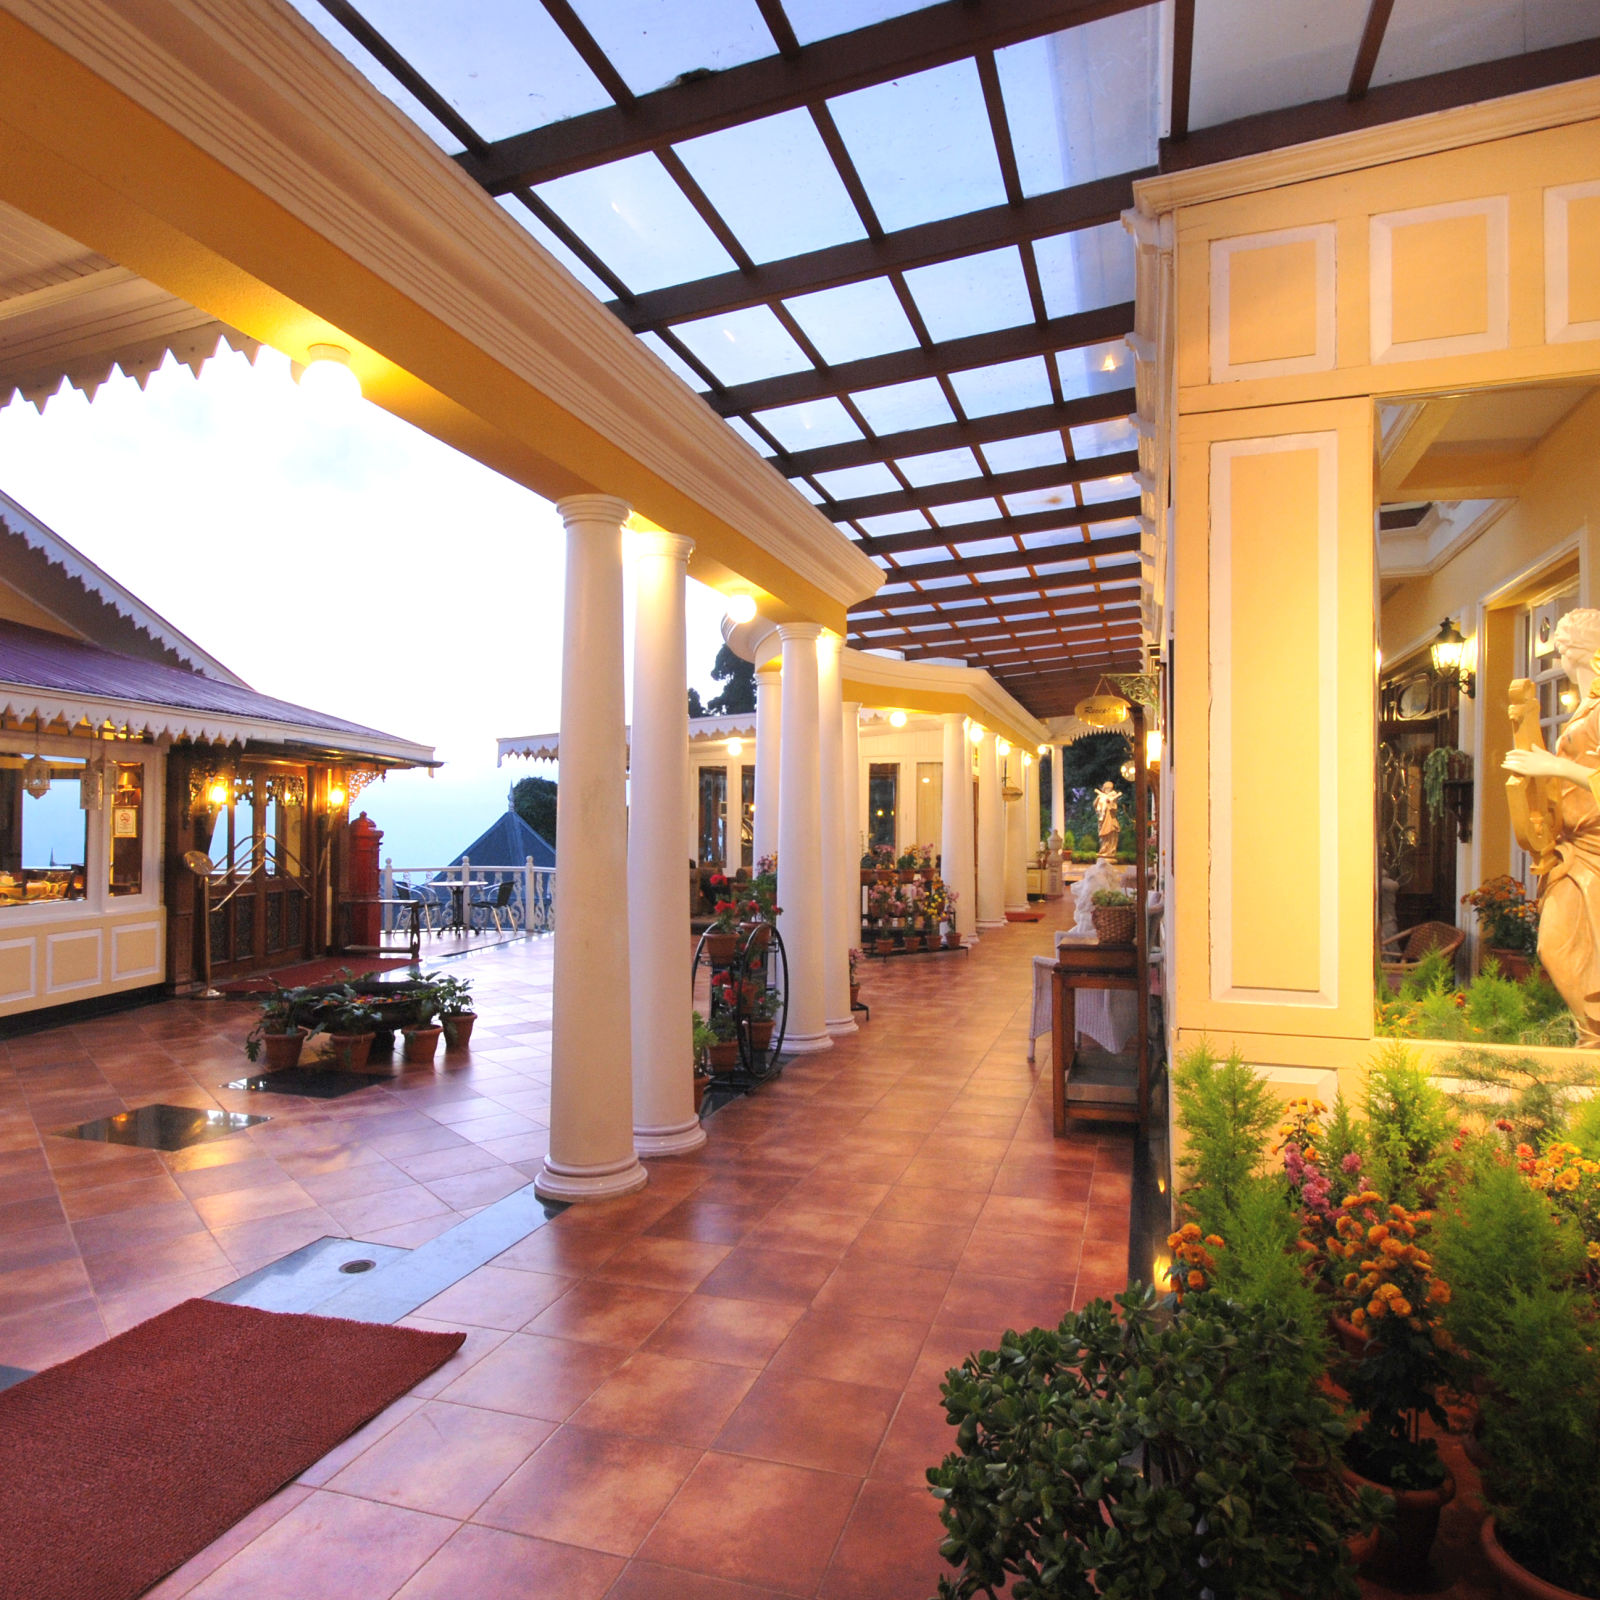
(262, 876)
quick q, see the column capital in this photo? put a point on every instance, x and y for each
(772, 671)
(799, 631)
(830, 641)
(658, 542)
(604, 508)
(952, 718)
(852, 708)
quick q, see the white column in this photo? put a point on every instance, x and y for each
(800, 841)
(1030, 784)
(1058, 803)
(991, 836)
(1016, 840)
(664, 1120)
(591, 1079)
(855, 840)
(837, 901)
(955, 846)
(769, 713)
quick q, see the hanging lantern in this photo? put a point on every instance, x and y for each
(36, 777)
(1128, 771)
(1102, 709)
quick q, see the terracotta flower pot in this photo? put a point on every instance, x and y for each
(699, 1092)
(458, 1030)
(883, 946)
(721, 948)
(1516, 1582)
(350, 1050)
(420, 1045)
(855, 995)
(761, 1033)
(869, 876)
(723, 1055)
(282, 1050)
(1351, 1339)
(754, 937)
(952, 941)
(1401, 1557)
(1514, 964)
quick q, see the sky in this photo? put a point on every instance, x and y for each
(348, 563)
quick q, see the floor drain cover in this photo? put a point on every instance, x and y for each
(358, 1266)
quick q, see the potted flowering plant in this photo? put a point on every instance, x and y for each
(723, 1052)
(347, 1021)
(701, 1038)
(722, 938)
(277, 1030)
(952, 938)
(760, 1006)
(908, 862)
(1508, 923)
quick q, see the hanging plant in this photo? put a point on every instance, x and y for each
(1445, 764)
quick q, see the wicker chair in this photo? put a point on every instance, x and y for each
(1401, 953)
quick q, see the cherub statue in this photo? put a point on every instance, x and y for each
(1106, 800)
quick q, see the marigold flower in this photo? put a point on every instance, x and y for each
(1375, 1308)
(1400, 1306)
(1351, 1279)
(1215, 1241)
(1439, 1292)
(1358, 1316)
(1442, 1339)
(1197, 1280)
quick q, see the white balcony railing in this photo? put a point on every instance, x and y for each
(460, 890)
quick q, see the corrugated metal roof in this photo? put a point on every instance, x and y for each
(508, 841)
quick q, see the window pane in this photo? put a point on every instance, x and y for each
(713, 816)
(809, 424)
(750, 436)
(741, 346)
(675, 361)
(1277, 56)
(752, 175)
(973, 294)
(922, 145)
(848, 482)
(821, 19)
(1017, 455)
(894, 522)
(638, 221)
(651, 42)
(1098, 490)
(1086, 269)
(965, 511)
(127, 829)
(854, 321)
(525, 219)
(1095, 369)
(1104, 438)
(1007, 386)
(899, 406)
(939, 466)
(883, 784)
(43, 837)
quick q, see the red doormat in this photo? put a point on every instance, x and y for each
(117, 1466)
(329, 971)
(1024, 916)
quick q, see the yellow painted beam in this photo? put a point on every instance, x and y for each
(1444, 474)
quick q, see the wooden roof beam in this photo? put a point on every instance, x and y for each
(1057, 521)
(1029, 480)
(1124, 576)
(1005, 560)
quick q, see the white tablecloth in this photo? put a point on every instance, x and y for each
(1108, 1016)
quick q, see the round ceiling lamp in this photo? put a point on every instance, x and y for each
(328, 380)
(897, 719)
(736, 747)
(975, 733)
(741, 608)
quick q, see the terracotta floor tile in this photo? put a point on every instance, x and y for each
(810, 1422)
(38, 1288)
(443, 1458)
(912, 1244)
(386, 1210)
(752, 1273)
(1023, 1214)
(755, 1522)
(496, 1297)
(622, 1315)
(881, 1289)
(27, 1214)
(918, 1437)
(37, 1247)
(120, 1312)
(482, 1188)
(563, 1251)
(711, 1327)
(125, 1230)
(329, 1547)
(890, 1547)
(489, 1564)
(237, 1206)
(665, 1398)
(963, 1177)
(253, 1244)
(999, 1253)
(877, 1351)
(602, 1491)
(646, 1580)
(978, 1301)
(253, 1172)
(906, 1202)
(709, 1221)
(535, 1376)
(662, 1263)
(477, 1344)
(810, 1232)
(448, 1163)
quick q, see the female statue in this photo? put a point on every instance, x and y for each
(1106, 800)
(1569, 891)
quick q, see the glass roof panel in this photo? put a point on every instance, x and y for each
(964, 511)
(1426, 36)
(939, 466)
(1249, 57)
(1099, 490)
(1017, 455)
(752, 174)
(651, 42)
(848, 482)
(1104, 438)
(638, 221)
(922, 145)
(821, 19)
(1007, 386)
(899, 406)
(1119, 529)
(805, 488)
(957, 582)
(525, 219)
(753, 439)
(742, 346)
(675, 361)
(973, 294)
(986, 547)
(1084, 103)
(809, 424)
(1036, 500)
(1086, 269)
(505, 66)
(854, 321)
(917, 558)
(1095, 369)
(893, 522)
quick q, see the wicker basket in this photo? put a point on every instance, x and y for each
(1113, 924)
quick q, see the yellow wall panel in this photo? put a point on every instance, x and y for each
(17, 969)
(1440, 282)
(73, 960)
(1583, 259)
(1272, 302)
(136, 951)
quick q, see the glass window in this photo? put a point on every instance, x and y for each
(894, 522)
(638, 221)
(1284, 57)
(1006, 386)
(44, 833)
(854, 320)
(526, 220)
(1427, 36)
(675, 361)
(1037, 500)
(939, 466)
(809, 424)
(986, 547)
(750, 436)
(752, 174)
(975, 294)
(747, 816)
(1104, 438)
(1017, 455)
(883, 788)
(1095, 369)
(1085, 269)
(742, 346)
(807, 491)
(899, 406)
(127, 828)
(922, 145)
(651, 42)
(1098, 490)
(822, 19)
(965, 511)
(713, 816)
(848, 482)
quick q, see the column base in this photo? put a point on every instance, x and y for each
(997, 922)
(840, 1027)
(605, 1182)
(803, 1044)
(678, 1141)
(1020, 910)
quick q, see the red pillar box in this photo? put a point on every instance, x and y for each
(366, 881)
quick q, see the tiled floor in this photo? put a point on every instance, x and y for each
(725, 1386)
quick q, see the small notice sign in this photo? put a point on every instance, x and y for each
(125, 822)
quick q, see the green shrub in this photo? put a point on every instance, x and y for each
(1583, 1127)
(1226, 1112)
(1492, 1009)
(1137, 1456)
(1530, 1093)
(1409, 1122)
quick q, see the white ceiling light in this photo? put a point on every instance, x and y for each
(328, 381)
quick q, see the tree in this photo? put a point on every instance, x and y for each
(739, 697)
(695, 708)
(534, 800)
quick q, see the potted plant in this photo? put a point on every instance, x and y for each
(952, 937)
(455, 1009)
(347, 1021)
(907, 862)
(761, 1012)
(869, 868)
(1132, 1452)
(722, 1054)
(855, 980)
(1113, 914)
(722, 937)
(422, 1032)
(277, 1032)
(764, 892)
(1508, 923)
(702, 1039)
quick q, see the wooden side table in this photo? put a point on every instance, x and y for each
(1106, 1093)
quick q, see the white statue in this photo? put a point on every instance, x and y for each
(1102, 875)
(1106, 800)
